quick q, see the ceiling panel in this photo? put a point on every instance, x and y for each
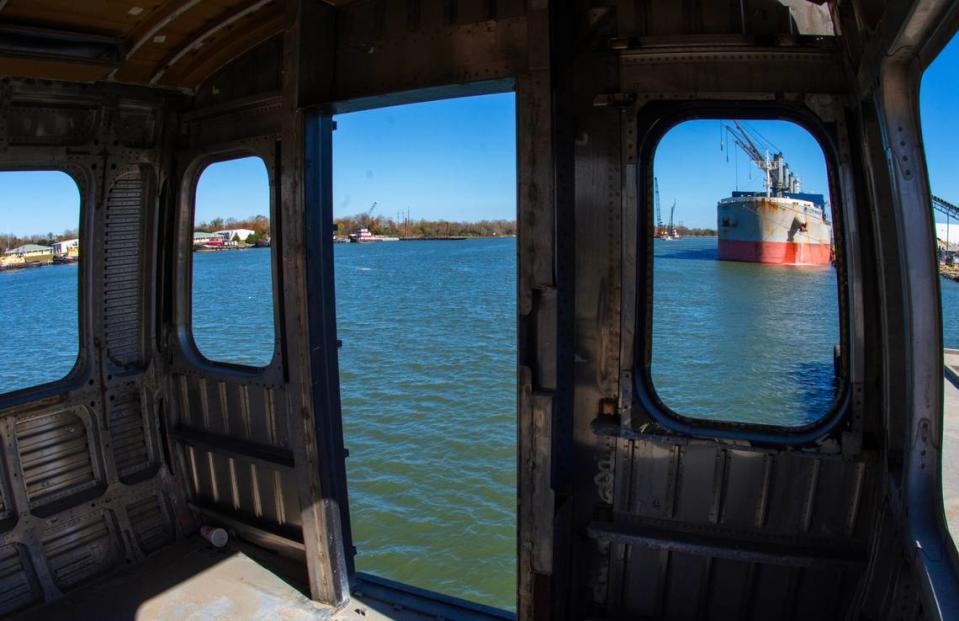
(145, 36)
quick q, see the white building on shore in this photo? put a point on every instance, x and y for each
(63, 247)
(234, 234)
(30, 250)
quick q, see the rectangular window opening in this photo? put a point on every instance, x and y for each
(232, 299)
(425, 264)
(745, 309)
(39, 277)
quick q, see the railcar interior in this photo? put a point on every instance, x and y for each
(627, 506)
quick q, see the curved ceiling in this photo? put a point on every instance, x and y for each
(172, 43)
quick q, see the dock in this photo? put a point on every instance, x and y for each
(950, 440)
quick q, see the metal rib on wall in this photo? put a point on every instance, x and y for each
(234, 448)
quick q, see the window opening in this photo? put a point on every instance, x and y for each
(232, 314)
(937, 109)
(39, 277)
(425, 262)
(745, 320)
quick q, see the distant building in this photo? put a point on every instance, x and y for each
(948, 234)
(27, 253)
(30, 250)
(201, 237)
(231, 234)
(65, 246)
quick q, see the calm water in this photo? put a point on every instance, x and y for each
(38, 325)
(428, 375)
(428, 371)
(233, 306)
(742, 341)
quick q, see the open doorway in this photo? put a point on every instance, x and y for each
(424, 199)
(937, 108)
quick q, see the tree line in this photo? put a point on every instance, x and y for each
(379, 225)
(8, 241)
(694, 232)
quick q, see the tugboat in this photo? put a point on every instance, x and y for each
(781, 225)
(363, 236)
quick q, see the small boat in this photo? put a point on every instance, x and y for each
(364, 236)
(669, 233)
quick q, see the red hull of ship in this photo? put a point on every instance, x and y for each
(781, 253)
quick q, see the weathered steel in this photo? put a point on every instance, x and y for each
(625, 509)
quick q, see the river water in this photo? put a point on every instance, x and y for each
(428, 375)
(742, 342)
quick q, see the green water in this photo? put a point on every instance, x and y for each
(428, 385)
(743, 342)
(428, 375)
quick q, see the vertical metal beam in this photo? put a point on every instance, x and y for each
(330, 497)
(928, 545)
(309, 311)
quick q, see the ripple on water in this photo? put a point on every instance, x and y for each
(428, 375)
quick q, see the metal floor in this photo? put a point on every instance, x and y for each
(192, 580)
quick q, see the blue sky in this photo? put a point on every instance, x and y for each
(37, 203)
(453, 159)
(236, 188)
(456, 159)
(938, 110)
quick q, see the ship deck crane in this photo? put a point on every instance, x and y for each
(779, 179)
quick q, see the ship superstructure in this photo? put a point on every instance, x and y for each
(778, 225)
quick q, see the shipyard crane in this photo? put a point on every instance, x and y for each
(369, 212)
(659, 216)
(779, 179)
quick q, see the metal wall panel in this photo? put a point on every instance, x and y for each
(762, 490)
(233, 442)
(17, 584)
(55, 457)
(83, 484)
(123, 275)
(81, 550)
(150, 522)
(132, 449)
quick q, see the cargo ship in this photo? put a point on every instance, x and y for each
(780, 225)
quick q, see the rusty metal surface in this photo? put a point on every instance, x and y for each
(620, 515)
